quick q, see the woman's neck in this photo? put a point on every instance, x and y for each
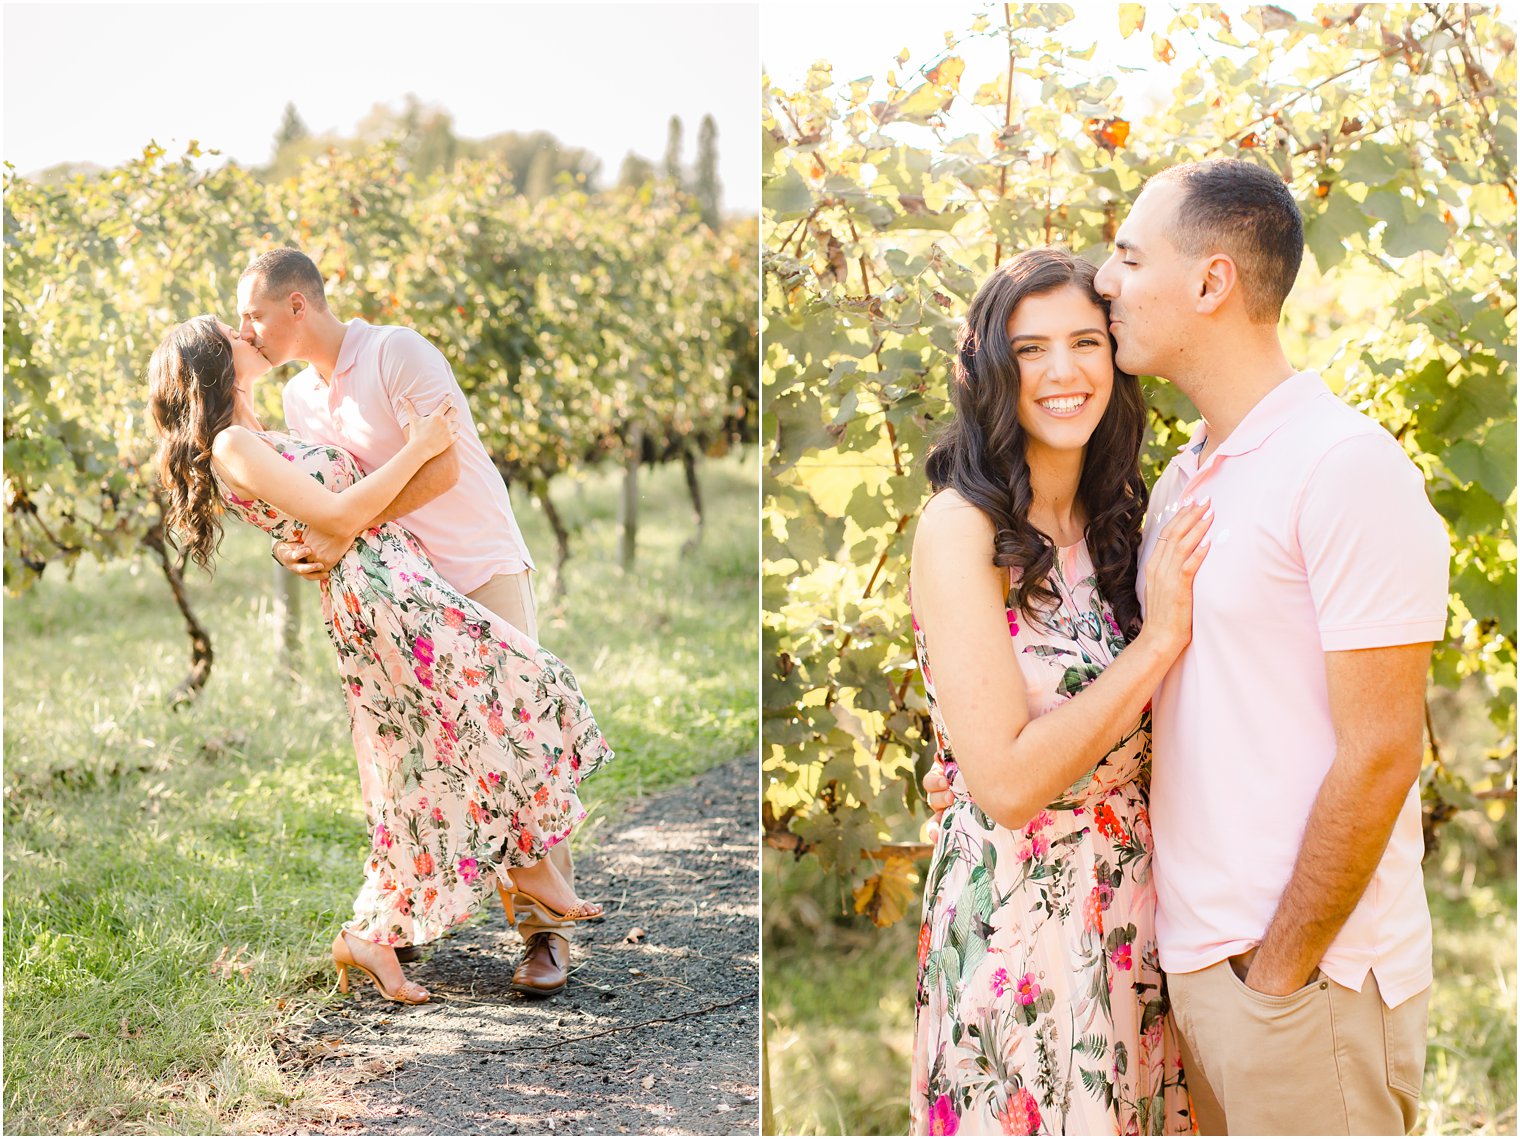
(1055, 510)
(243, 413)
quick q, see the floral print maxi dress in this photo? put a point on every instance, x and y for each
(471, 739)
(1040, 1007)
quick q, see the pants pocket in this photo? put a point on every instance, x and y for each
(1404, 1044)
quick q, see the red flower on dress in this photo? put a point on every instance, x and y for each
(1092, 911)
(423, 864)
(453, 618)
(1108, 824)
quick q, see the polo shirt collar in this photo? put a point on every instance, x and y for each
(357, 327)
(1271, 412)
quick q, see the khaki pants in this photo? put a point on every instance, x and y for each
(510, 597)
(1325, 1060)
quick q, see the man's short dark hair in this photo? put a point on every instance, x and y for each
(1244, 210)
(284, 271)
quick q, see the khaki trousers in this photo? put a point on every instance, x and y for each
(510, 597)
(1325, 1060)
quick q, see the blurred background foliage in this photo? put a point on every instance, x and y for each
(887, 200)
(586, 326)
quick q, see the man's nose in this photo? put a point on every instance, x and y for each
(1104, 281)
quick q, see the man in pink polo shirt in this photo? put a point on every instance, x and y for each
(350, 395)
(1288, 737)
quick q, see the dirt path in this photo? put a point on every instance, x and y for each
(655, 1034)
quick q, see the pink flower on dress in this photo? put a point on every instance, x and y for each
(522, 714)
(1032, 848)
(424, 678)
(1000, 982)
(942, 1117)
(438, 814)
(1013, 623)
(382, 840)
(1028, 989)
(422, 649)
(1021, 1114)
(469, 870)
(1039, 822)
(1121, 957)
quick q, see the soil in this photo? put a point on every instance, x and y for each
(657, 1032)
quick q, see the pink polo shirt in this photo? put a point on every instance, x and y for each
(469, 530)
(1323, 540)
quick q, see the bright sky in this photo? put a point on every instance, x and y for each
(96, 82)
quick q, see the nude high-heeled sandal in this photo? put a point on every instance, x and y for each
(409, 993)
(581, 911)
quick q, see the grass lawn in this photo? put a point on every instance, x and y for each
(839, 1005)
(142, 845)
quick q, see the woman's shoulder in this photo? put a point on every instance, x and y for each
(953, 534)
(950, 516)
(232, 441)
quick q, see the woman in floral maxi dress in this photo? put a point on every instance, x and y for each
(471, 739)
(1040, 1006)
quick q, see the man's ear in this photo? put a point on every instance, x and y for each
(1217, 284)
(297, 304)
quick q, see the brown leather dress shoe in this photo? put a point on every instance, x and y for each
(545, 966)
(406, 954)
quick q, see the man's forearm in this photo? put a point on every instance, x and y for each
(1348, 831)
(432, 479)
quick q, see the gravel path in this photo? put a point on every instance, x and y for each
(657, 1032)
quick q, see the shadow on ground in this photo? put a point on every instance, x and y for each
(657, 1032)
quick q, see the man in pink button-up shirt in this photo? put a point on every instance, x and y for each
(1291, 915)
(350, 395)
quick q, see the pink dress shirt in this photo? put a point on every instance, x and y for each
(1323, 541)
(469, 530)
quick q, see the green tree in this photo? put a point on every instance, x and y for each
(635, 171)
(292, 129)
(672, 169)
(707, 189)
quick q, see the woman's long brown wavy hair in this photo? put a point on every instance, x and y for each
(982, 452)
(190, 392)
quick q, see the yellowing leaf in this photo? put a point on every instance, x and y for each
(885, 896)
(1131, 19)
(947, 72)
